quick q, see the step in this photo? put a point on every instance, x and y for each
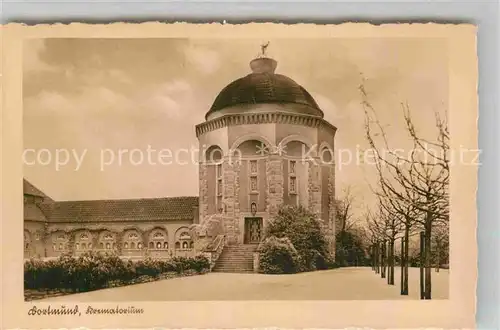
(232, 268)
(236, 259)
(236, 271)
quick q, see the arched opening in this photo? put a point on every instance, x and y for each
(183, 239)
(81, 240)
(131, 239)
(214, 154)
(59, 241)
(107, 240)
(295, 149)
(251, 149)
(27, 242)
(157, 239)
(326, 156)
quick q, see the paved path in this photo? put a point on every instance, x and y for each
(337, 284)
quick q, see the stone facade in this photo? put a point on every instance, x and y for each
(274, 191)
(158, 228)
(260, 144)
(270, 133)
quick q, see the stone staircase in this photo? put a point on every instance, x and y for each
(236, 259)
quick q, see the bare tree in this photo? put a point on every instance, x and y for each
(344, 208)
(440, 242)
(416, 186)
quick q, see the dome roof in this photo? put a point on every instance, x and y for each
(264, 86)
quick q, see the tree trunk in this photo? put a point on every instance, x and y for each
(438, 256)
(374, 261)
(428, 256)
(421, 264)
(405, 259)
(402, 265)
(391, 262)
(370, 250)
(382, 261)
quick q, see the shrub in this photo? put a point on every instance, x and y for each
(305, 233)
(92, 270)
(349, 249)
(278, 256)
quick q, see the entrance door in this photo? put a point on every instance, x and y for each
(253, 230)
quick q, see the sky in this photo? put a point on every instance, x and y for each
(95, 97)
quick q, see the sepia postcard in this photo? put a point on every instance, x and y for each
(239, 176)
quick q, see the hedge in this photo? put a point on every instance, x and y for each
(92, 271)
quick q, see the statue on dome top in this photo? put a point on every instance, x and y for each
(263, 48)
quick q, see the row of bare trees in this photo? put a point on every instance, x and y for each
(412, 191)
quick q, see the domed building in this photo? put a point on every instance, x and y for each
(265, 144)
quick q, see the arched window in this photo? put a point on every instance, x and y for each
(251, 149)
(107, 239)
(27, 240)
(213, 154)
(139, 245)
(59, 241)
(132, 239)
(183, 239)
(81, 240)
(159, 238)
(326, 156)
(151, 245)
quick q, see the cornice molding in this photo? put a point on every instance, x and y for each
(262, 118)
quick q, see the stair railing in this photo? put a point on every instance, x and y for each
(214, 249)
